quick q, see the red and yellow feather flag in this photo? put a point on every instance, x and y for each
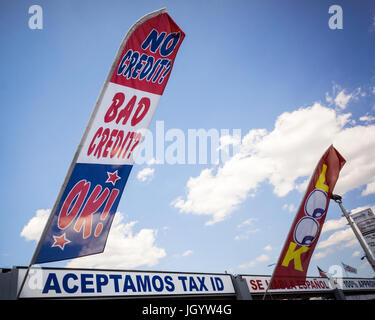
(303, 236)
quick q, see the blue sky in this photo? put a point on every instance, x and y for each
(272, 69)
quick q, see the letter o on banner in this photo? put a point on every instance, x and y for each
(316, 204)
(306, 231)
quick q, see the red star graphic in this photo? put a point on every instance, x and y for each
(60, 241)
(112, 177)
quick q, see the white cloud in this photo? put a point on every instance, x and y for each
(356, 253)
(283, 157)
(322, 254)
(370, 189)
(349, 244)
(34, 228)
(245, 230)
(329, 99)
(367, 118)
(262, 258)
(124, 248)
(346, 236)
(153, 161)
(339, 239)
(332, 224)
(342, 99)
(187, 253)
(228, 140)
(247, 222)
(146, 174)
(358, 209)
(289, 207)
(246, 234)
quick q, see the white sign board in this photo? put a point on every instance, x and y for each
(365, 221)
(349, 284)
(56, 283)
(259, 284)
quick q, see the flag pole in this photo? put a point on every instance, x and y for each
(269, 284)
(23, 282)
